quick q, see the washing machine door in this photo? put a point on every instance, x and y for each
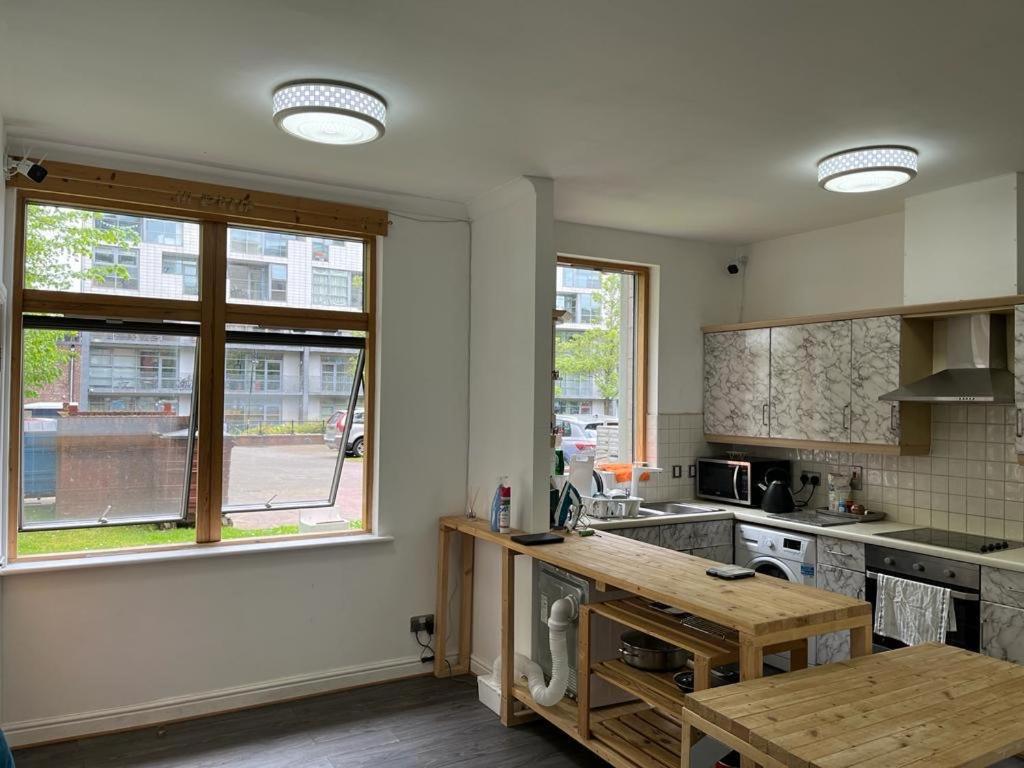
(771, 566)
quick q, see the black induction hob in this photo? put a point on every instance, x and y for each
(965, 542)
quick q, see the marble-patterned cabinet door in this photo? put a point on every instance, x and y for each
(737, 366)
(1002, 632)
(1018, 373)
(876, 370)
(810, 382)
(835, 646)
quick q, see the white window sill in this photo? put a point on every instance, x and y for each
(187, 553)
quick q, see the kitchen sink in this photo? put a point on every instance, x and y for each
(662, 508)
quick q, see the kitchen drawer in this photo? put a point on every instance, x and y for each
(678, 536)
(1003, 587)
(649, 534)
(1002, 632)
(720, 554)
(841, 553)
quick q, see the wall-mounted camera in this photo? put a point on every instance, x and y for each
(26, 167)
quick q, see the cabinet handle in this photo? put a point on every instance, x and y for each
(764, 415)
(1014, 589)
(892, 417)
(845, 409)
(1020, 427)
(836, 552)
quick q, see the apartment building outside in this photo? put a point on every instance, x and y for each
(265, 385)
(578, 292)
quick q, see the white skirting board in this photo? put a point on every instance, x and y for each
(27, 732)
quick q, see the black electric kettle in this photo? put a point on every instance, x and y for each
(777, 499)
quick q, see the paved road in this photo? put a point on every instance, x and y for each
(291, 473)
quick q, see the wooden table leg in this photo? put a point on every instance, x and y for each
(583, 672)
(441, 609)
(798, 658)
(751, 668)
(508, 635)
(860, 639)
(701, 673)
(689, 738)
(466, 606)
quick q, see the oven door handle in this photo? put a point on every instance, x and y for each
(966, 596)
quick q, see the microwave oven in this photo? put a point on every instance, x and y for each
(735, 481)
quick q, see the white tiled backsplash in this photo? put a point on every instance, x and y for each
(970, 482)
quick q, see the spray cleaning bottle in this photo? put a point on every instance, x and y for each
(501, 507)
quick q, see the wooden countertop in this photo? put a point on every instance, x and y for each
(757, 606)
(929, 706)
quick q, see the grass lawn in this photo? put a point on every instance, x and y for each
(119, 537)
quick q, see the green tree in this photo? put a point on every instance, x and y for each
(595, 351)
(59, 244)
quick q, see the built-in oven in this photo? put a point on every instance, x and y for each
(962, 579)
(736, 481)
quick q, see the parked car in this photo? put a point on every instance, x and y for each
(335, 429)
(580, 435)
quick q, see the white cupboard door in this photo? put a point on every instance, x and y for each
(876, 370)
(810, 382)
(1018, 373)
(737, 366)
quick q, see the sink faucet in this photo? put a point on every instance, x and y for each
(634, 480)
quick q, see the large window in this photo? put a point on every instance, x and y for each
(600, 385)
(175, 413)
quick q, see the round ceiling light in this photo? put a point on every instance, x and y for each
(867, 169)
(329, 112)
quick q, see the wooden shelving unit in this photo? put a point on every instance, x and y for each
(645, 738)
(655, 688)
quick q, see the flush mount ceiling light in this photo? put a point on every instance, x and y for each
(329, 112)
(867, 169)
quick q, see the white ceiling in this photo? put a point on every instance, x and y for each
(700, 119)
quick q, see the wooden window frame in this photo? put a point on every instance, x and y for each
(214, 208)
(641, 392)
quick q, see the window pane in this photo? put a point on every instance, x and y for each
(81, 251)
(300, 271)
(594, 356)
(106, 431)
(285, 408)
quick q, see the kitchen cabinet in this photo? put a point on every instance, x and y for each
(686, 537)
(737, 369)
(810, 382)
(1002, 632)
(835, 646)
(648, 534)
(840, 553)
(721, 553)
(876, 370)
(1018, 373)
(1002, 586)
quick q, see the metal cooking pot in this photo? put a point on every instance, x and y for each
(649, 653)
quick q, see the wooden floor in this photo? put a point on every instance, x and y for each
(417, 723)
(413, 723)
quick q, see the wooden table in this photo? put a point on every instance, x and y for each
(763, 611)
(930, 706)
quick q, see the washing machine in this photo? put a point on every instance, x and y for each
(783, 554)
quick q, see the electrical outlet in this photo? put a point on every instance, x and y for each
(424, 623)
(677, 470)
(813, 478)
(691, 470)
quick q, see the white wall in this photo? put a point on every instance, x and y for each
(512, 295)
(852, 266)
(690, 287)
(110, 647)
(962, 242)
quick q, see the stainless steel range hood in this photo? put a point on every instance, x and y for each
(970, 363)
